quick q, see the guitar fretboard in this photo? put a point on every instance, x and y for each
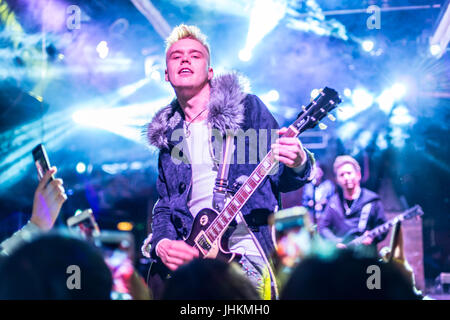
(387, 225)
(222, 221)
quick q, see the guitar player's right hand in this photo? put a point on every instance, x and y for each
(175, 253)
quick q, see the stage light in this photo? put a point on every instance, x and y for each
(347, 130)
(367, 45)
(401, 116)
(125, 226)
(389, 96)
(273, 95)
(386, 100)
(435, 50)
(128, 90)
(381, 142)
(136, 165)
(362, 99)
(398, 137)
(347, 92)
(399, 90)
(245, 55)
(314, 93)
(264, 16)
(269, 97)
(364, 138)
(102, 49)
(81, 167)
(155, 75)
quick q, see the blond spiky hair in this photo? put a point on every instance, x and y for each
(183, 31)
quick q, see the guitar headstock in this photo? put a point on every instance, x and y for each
(320, 106)
(414, 211)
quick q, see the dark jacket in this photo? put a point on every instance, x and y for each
(335, 224)
(230, 108)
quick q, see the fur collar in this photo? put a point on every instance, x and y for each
(226, 110)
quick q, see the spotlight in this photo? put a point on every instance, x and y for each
(347, 92)
(273, 95)
(81, 167)
(362, 99)
(388, 97)
(125, 226)
(435, 50)
(314, 93)
(401, 116)
(386, 101)
(399, 90)
(245, 55)
(155, 75)
(381, 142)
(364, 138)
(264, 17)
(367, 45)
(102, 49)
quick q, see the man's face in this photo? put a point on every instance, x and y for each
(187, 65)
(347, 176)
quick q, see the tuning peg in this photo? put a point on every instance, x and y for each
(331, 117)
(322, 126)
(303, 108)
(340, 109)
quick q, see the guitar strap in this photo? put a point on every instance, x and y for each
(221, 185)
(364, 217)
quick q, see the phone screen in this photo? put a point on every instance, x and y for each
(41, 160)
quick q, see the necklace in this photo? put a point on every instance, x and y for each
(188, 123)
(346, 207)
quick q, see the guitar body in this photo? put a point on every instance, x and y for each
(197, 238)
(159, 273)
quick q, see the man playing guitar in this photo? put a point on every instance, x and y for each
(353, 210)
(188, 169)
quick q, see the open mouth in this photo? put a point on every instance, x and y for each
(185, 71)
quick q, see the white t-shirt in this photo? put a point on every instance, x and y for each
(204, 174)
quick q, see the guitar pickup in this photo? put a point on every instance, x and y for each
(203, 242)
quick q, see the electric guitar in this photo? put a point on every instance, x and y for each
(209, 225)
(408, 214)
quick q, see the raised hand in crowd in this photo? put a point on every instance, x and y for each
(48, 200)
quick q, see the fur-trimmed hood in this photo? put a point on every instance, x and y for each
(225, 110)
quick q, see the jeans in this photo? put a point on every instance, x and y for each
(258, 273)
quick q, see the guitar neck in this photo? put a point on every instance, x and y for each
(226, 216)
(385, 226)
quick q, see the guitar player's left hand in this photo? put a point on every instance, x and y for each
(289, 151)
(367, 240)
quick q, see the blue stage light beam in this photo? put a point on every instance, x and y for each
(12, 171)
(264, 17)
(126, 121)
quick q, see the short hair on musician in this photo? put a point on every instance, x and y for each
(183, 31)
(341, 160)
